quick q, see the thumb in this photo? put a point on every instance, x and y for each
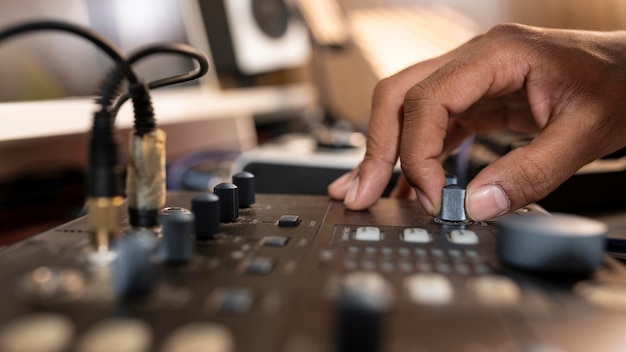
(523, 176)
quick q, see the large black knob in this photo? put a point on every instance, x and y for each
(247, 188)
(206, 209)
(558, 243)
(176, 235)
(229, 201)
(364, 300)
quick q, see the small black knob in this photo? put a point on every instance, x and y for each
(247, 188)
(229, 201)
(206, 208)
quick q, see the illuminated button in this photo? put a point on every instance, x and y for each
(367, 233)
(200, 337)
(429, 289)
(275, 241)
(289, 221)
(117, 334)
(493, 290)
(416, 235)
(463, 237)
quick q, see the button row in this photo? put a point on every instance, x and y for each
(419, 252)
(53, 332)
(458, 268)
(416, 235)
(437, 289)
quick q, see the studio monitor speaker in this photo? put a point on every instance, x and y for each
(254, 36)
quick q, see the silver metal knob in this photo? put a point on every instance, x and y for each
(453, 203)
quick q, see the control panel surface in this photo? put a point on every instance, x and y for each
(303, 274)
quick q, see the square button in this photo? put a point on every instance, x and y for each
(463, 237)
(289, 221)
(233, 300)
(367, 233)
(416, 235)
(259, 265)
(275, 241)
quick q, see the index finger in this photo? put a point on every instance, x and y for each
(383, 135)
(483, 68)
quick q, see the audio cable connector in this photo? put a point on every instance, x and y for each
(104, 194)
(145, 179)
(104, 220)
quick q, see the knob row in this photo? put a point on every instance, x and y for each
(133, 271)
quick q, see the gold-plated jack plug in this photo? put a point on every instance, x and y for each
(104, 216)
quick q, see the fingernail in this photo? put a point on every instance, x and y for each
(424, 201)
(487, 202)
(352, 191)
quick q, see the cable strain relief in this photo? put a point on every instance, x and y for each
(110, 87)
(144, 113)
(143, 217)
(103, 170)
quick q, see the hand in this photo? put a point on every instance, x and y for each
(570, 86)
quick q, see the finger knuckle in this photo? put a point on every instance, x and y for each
(509, 30)
(385, 88)
(535, 181)
(416, 97)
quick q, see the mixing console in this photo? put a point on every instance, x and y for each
(299, 274)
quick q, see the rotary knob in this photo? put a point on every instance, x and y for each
(176, 235)
(552, 243)
(247, 188)
(133, 273)
(364, 301)
(229, 201)
(453, 204)
(206, 209)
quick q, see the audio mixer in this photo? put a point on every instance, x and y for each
(284, 273)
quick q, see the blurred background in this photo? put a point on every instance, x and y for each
(287, 95)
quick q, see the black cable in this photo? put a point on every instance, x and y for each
(101, 42)
(167, 48)
(103, 172)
